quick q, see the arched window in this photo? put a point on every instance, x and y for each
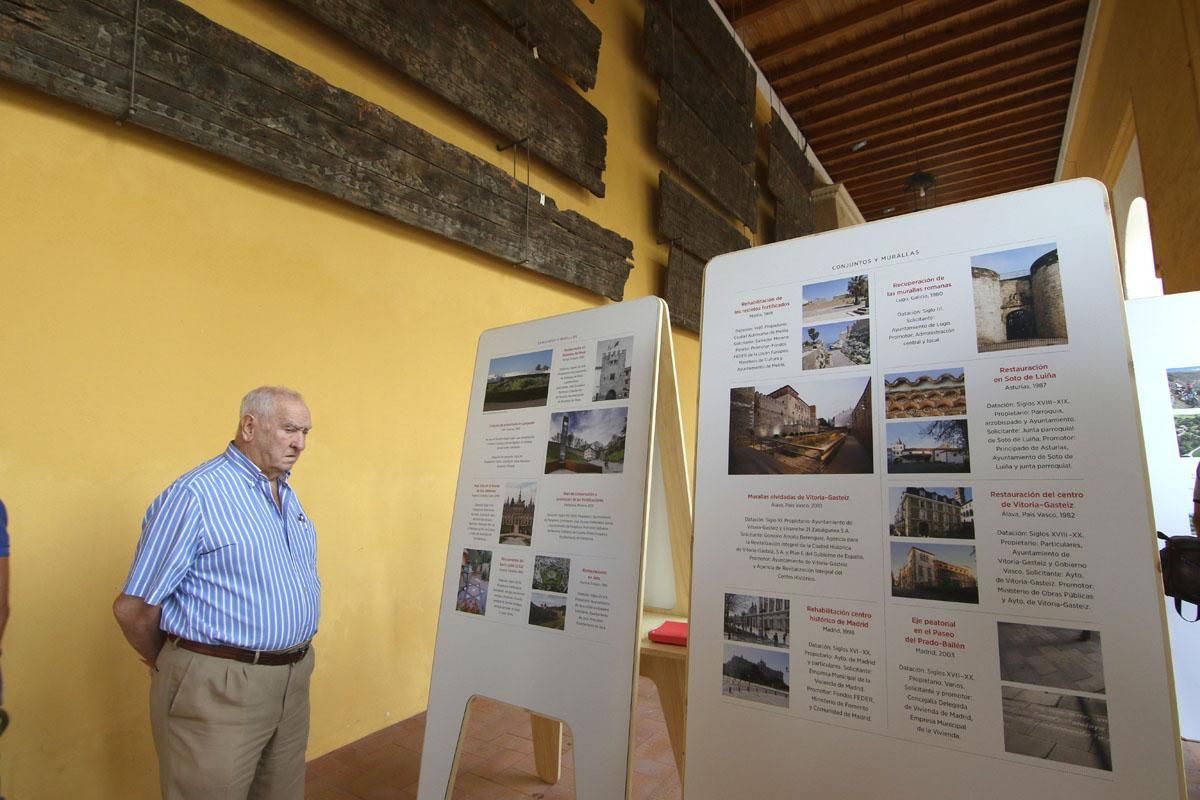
(1140, 280)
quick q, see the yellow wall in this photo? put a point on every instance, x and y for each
(1141, 78)
(145, 285)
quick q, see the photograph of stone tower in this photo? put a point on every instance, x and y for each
(612, 369)
(1018, 298)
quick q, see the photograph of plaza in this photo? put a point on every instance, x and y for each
(612, 369)
(925, 393)
(823, 427)
(838, 299)
(587, 442)
(837, 344)
(517, 513)
(1062, 658)
(1187, 435)
(519, 381)
(473, 577)
(934, 572)
(551, 574)
(1056, 727)
(760, 676)
(548, 611)
(760, 620)
(1018, 298)
(939, 512)
(1184, 386)
(939, 445)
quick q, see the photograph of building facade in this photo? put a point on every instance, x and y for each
(612, 369)
(762, 620)
(517, 513)
(941, 393)
(934, 572)
(933, 446)
(760, 676)
(946, 512)
(1018, 299)
(822, 428)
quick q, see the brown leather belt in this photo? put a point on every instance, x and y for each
(270, 658)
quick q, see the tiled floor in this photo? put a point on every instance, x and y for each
(497, 763)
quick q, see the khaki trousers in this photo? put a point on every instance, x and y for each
(225, 730)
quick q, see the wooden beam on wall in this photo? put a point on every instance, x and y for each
(203, 84)
(685, 221)
(685, 277)
(563, 34)
(466, 55)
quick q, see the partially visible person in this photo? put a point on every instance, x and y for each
(3, 575)
(222, 603)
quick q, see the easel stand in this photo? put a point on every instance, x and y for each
(629, 569)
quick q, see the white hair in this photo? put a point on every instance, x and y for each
(260, 403)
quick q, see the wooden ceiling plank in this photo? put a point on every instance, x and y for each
(743, 15)
(795, 40)
(913, 57)
(941, 166)
(1035, 164)
(899, 166)
(950, 196)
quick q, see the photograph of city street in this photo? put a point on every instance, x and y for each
(520, 381)
(551, 574)
(822, 427)
(1063, 658)
(760, 620)
(1018, 298)
(473, 581)
(940, 512)
(548, 611)
(1057, 727)
(1187, 435)
(935, 572)
(587, 441)
(517, 512)
(757, 675)
(837, 344)
(612, 369)
(1184, 385)
(838, 299)
(939, 445)
(925, 393)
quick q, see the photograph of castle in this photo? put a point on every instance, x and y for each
(837, 344)
(1067, 728)
(760, 620)
(760, 676)
(943, 572)
(939, 512)
(939, 445)
(1018, 298)
(821, 428)
(838, 299)
(1064, 658)
(517, 512)
(925, 393)
(1184, 386)
(473, 578)
(587, 442)
(548, 611)
(551, 574)
(612, 369)
(519, 381)
(1187, 435)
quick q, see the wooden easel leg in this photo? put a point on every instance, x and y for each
(670, 677)
(547, 747)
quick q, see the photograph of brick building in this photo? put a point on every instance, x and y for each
(925, 393)
(612, 369)
(517, 513)
(1018, 298)
(761, 620)
(934, 572)
(932, 511)
(824, 428)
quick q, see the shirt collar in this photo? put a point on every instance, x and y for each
(247, 467)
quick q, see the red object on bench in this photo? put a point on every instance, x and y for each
(670, 632)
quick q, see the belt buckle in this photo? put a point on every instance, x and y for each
(257, 653)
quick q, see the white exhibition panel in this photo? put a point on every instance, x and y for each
(923, 562)
(1164, 335)
(540, 606)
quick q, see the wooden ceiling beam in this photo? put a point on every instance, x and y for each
(994, 104)
(901, 165)
(958, 194)
(831, 27)
(1031, 164)
(776, 50)
(908, 58)
(951, 165)
(994, 78)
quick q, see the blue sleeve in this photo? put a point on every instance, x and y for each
(3, 531)
(168, 545)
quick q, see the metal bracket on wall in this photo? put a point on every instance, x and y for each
(129, 109)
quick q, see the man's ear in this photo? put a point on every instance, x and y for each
(247, 427)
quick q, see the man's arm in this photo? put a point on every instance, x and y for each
(139, 622)
(3, 595)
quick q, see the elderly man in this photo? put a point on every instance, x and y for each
(222, 603)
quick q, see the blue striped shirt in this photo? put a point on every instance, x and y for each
(226, 564)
